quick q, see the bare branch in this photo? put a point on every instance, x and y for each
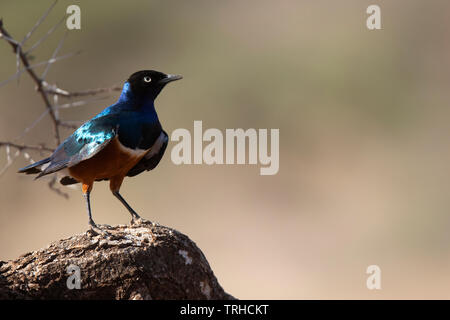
(49, 93)
(32, 66)
(9, 159)
(70, 124)
(28, 35)
(38, 23)
(77, 103)
(36, 79)
(23, 147)
(49, 32)
(35, 122)
(51, 60)
(90, 92)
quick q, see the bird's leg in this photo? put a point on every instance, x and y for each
(88, 207)
(135, 218)
(114, 186)
(86, 194)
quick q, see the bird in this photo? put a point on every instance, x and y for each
(123, 140)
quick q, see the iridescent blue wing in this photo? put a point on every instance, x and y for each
(84, 143)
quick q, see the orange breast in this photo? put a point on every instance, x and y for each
(114, 161)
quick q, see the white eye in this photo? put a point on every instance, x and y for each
(147, 79)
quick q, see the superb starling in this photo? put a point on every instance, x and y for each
(125, 139)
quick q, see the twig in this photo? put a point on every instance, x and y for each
(35, 122)
(50, 61)
(49, 32)
(70, 124)
(77, 103)
(33, 66)
(38, 23)
(23, 147)
(90, 92)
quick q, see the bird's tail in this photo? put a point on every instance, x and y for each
(34, 167)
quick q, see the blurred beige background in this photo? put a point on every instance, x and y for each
(364, 138)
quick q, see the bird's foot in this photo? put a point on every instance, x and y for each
(138, 221)
(99, 229)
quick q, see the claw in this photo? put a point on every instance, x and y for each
(140, 221)
(97, 229)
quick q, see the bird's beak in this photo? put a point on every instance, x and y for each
(170, 78)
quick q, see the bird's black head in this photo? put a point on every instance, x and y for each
(149, 83)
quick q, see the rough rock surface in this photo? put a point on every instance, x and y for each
(131, 262)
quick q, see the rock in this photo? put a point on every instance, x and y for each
(130, 262)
